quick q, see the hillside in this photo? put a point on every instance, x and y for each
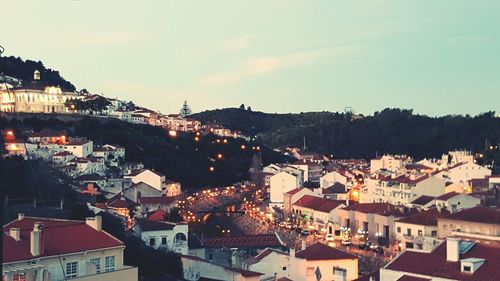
(24, 69)
(389, 131)
(181, 158)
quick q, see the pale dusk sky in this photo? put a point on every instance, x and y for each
(437, 57)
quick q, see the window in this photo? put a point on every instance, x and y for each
(408, 231)
(210, 257)
(71, 269)
(97, 263)
(152, 241)
(399, 229)
(284, 268)
(467, 268)
(434, 233)
(310, 271)
(109, 263)
(164, 240)
(419, 232)
(19, 277)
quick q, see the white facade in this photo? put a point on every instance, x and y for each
(458, 202)
(195, 268)
(152, 178)
(331, 178)
(386, 162)
(273, 262)
(175, 239)
(80, 149)
(463, 172)
(281, 183)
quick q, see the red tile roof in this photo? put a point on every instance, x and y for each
(166, 200)
(293, 191)
(60, 237)
(147, 225)
(477, 214)
(317, 203)
(447, 196)
(412, 278)
(158, 215)
(422, 200)
(435, 263)
(336, 188)
(119, 201)
(243, 241)
(428, 217)
(320, 251)
(370, 208)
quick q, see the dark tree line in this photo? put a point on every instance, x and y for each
(343, 135)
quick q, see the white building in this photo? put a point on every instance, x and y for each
(195, 268)
(462, 172)
(55, 250)
(337, 176)
(270, 262)
(80, 148)
(325, 262)
(419, 231)
(454, 202)
(281, 183)
(162, 235)
(153, 178)
(400, 189)
(388, 162)
(317, 212)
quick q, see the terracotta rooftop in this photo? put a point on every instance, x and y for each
(317, 203)
(334, 189)
(412, 278)
(243, 241)
(148, 225)
(293, 191)
(435, 263)
(157, 200)
(158, 215)
(423, 200)
(428, 217)
(370, 208)
(447, 196)
(477, 214)
(61, 237)
(320, 251)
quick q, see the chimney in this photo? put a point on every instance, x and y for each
(94, 222)
(292, 252)
(275, 276)
(20, 216)
(452, 251)
(15, 233)
(36, 239)
(347, 202)
(304, 245)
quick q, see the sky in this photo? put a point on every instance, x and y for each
(435, 57)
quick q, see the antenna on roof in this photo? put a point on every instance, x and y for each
(305, 143)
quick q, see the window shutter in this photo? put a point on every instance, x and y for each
(82, 266)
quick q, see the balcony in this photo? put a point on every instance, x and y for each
(127, 273)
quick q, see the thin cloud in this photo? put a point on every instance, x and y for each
(107, 38)
(238, 43)
(262, 65)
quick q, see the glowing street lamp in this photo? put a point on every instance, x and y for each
(243, 146)
(219, 156)
(172, 133)
(211, 169)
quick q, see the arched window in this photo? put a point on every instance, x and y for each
(180, 237)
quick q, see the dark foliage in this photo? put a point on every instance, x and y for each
(181, 158)
(389, 131)
(17, 67)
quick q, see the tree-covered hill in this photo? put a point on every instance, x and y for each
(24, 69)
(343, 135)
(180, 158)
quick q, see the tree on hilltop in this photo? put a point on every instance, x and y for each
(185, 110)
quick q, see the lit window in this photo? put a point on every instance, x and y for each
(71, 269)
(109, 263)
(97, 263)
(310, 271)
(19, 277)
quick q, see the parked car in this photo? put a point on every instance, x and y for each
(364, 246)
(346, 242)
(318, 235)
(305, 232)
(329, 237)
(376, 248)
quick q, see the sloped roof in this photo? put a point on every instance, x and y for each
(336, 188)
(166, 200)
(370, 208)
(423, 200)
(320, 251)
(447, 196)
(243, 241)
(435, 263)
(47, 133)
(317, 203)
(428, 218)
(478, 214)
(60, 237)
(147, 225)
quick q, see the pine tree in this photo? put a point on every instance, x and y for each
(185, 110)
